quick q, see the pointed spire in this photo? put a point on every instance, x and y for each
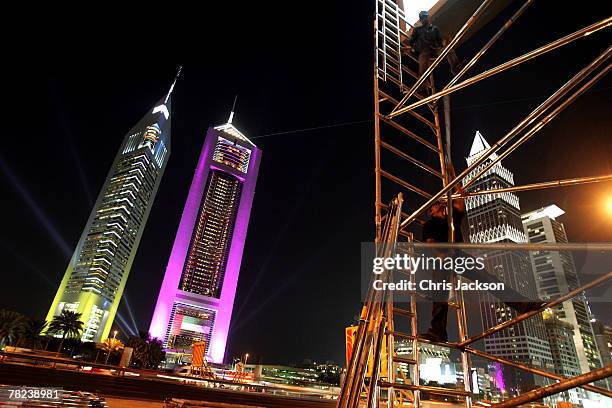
(178, 73)
(163, 108)
(232, 112)
(479, 146)
(230, 129)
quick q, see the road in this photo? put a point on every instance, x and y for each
(144, 389)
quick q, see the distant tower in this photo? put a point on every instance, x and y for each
(197, 294)
(555, 275)
(496, 218)
(98, 270)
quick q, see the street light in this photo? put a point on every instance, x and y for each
(246, 357)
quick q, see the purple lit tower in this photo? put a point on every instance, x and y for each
(197, 294)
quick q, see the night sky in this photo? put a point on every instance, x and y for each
(74, 94)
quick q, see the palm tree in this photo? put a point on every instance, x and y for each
(110, 345)
(156, 352)
(69, 324)
(31, 336)
(12, 325)
(139, 344)
(148, 352)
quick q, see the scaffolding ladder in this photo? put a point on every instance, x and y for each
(407, 130)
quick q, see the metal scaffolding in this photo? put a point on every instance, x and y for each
(408, 130)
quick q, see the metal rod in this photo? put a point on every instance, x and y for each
(426, 388)
(389, 328)
(416, 394)
(440, 145)
(556, 388)
(387, 97)
(390, 339)
(409, 133)
(447, 164)
(444, 52)
(410, 159)
(543, 122)
(488, 45)
(534, 370)
(377, 207)
(516, 61)
(526, 316)
(529, 119)
(466, 362)
(404, 184)
(418, 220)
(495, 246)
(372, 396)
(540, 185)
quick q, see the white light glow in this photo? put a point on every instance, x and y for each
(162, 109)
(550, 211)
(475, 388)
(412, 8)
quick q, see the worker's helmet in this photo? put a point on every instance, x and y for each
(436, 205)
(423, 15)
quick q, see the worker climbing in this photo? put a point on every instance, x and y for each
(426, 43)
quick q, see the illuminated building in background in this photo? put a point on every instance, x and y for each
(98, 270)
(556, 275)
(603, 337)
(496, 218)
(197, 294)
(565, 359)
(437, 368)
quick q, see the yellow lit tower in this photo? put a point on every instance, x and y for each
(98, 270)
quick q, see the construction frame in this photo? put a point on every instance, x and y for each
(407, 108)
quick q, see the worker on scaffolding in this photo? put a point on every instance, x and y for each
(426, 42)
(436, 229)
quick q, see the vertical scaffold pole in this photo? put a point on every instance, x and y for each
(378, 202)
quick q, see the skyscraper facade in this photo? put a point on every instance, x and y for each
(98, 270)
(496, 218)
(603, 337)
(560, 336)
(197, 293)
(555, 275)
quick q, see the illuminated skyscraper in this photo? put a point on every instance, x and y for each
(197, 294)
(603, 337)
(555, 274)
(565, 358)
(98, 270)
(496, 218)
